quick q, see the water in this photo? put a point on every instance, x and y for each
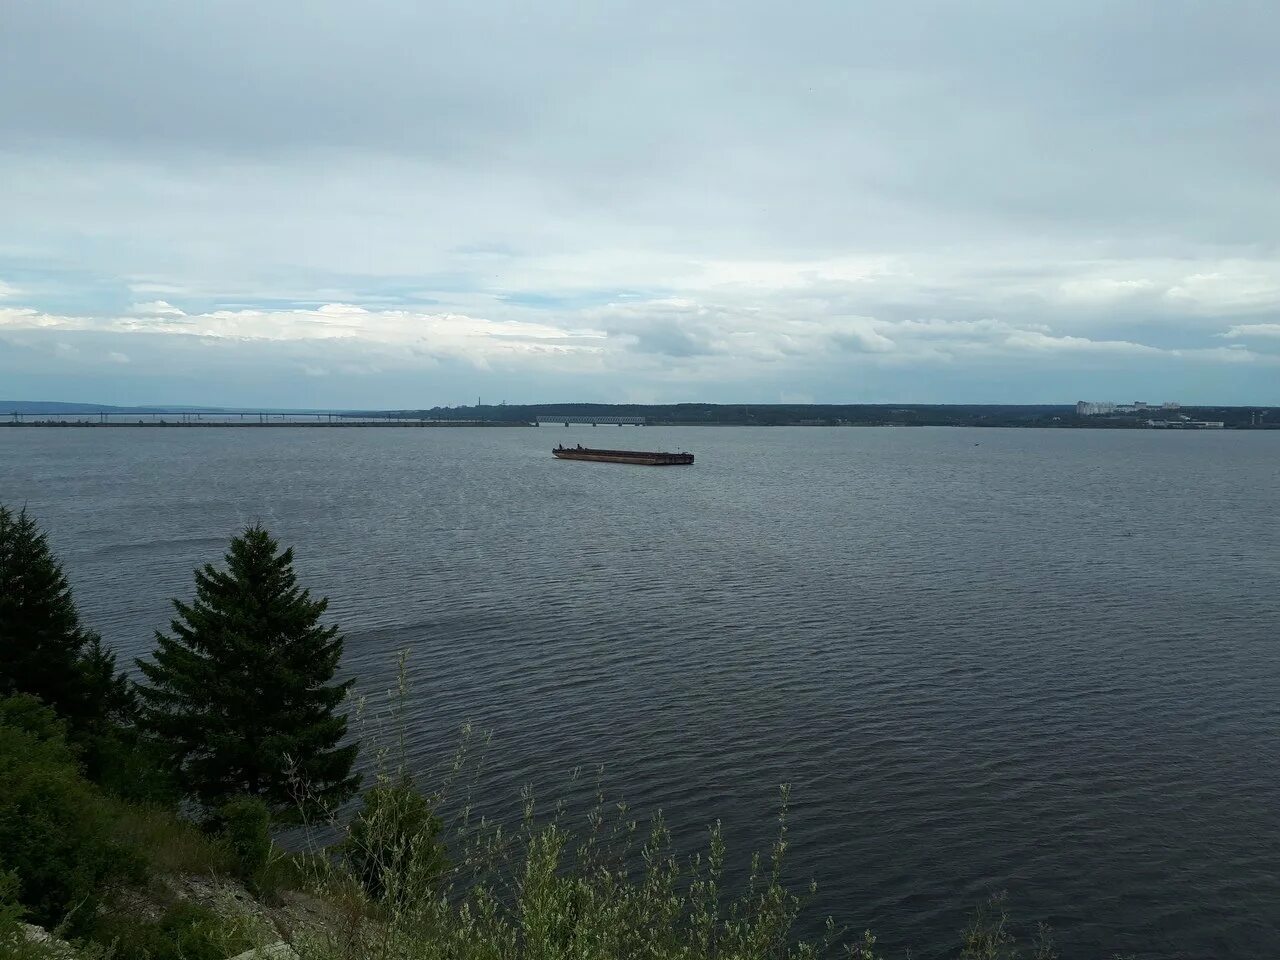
(1046, 662)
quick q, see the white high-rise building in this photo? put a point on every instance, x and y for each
(1090, 408)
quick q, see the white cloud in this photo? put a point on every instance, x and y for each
(1230, 287)
(777, 275)
(1203, 287)
(1249, 330)
(411, 333)
(156, 308)
(1037, 341)
(1234, 354)
(140, 286)
(1104, 289)
(738, 336)
(25, 318)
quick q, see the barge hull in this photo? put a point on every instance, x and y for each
(636, 457)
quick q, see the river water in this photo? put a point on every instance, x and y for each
(1046, 662)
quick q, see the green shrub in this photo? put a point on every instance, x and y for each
(11, 912)
(185, 932)
(28, 715)
(539, 893)
(393, 845)
(127, 765)
(166, 842)
(300, 872)
(53, 828)
(246, 830)
(14, 944)
(990, 936)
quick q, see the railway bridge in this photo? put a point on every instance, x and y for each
(594, 421)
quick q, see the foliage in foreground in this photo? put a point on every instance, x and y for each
(393, 845)
(67, 848)
(612, 892)
(245, 825)
(185, 931)
(54, 828)
(538, 894)
(607, 890)
(420, 877)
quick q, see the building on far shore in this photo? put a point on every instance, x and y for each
(1086, 408)
(1186, 423)
(1094, 408)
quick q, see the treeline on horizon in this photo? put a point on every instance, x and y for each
(817, 414)
(752, 414)
(726, 414)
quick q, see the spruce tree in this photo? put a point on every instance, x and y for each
(242, 692)
(44, 649)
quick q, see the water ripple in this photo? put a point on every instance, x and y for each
(1046, 665)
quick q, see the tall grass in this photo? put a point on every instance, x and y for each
(543, 891)
(170, 844)
(418, 875)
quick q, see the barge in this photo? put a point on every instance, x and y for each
(641, 457)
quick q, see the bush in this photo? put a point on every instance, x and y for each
(185, 932)
(14, 943)
(990, 936)
(11, 912)
(166, 842)
(393, 844)
(53, 828)
(539, 894)
(128, 766)
(246, 830)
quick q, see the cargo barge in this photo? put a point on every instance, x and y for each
(641, 457)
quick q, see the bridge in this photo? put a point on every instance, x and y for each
(153, 417)
(215, 418)
(594, 421)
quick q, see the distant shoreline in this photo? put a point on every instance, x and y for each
(47, 414)
(253, 424)
(462, 424)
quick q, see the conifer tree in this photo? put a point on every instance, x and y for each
(242, 692)
(44, 649)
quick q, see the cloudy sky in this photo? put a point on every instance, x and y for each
(415, 202)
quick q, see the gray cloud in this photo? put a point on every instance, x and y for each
(774, 200)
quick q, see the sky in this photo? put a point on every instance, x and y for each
(410, 203)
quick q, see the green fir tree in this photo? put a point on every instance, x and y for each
(242, 693)
(44, 649)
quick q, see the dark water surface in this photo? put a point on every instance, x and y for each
(1040, 661)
